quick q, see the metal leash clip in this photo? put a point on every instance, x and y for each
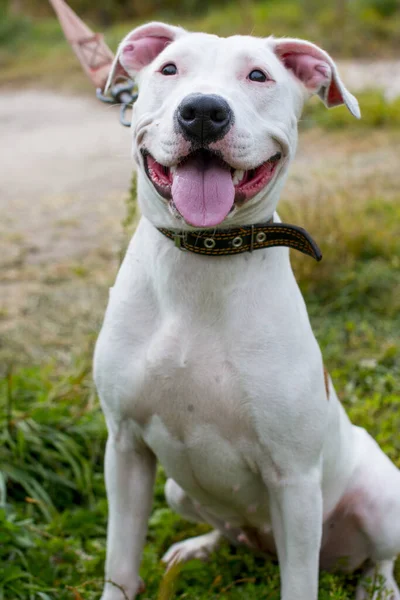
(96, 59)
(125, 93)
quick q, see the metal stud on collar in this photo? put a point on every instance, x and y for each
(237, 241)
(261, 237)
(209, 243)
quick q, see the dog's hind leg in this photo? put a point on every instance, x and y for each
(376, 484)
(199, 547)
(181, 503)
(378, 583)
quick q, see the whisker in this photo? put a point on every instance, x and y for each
(112, 105)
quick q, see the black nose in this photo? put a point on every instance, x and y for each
(204, 118)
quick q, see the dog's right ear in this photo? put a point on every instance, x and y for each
(140, 47)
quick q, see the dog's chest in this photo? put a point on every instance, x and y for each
(195, 357)
(190, 400)
(189, 377)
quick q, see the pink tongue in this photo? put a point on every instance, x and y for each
(203, 191)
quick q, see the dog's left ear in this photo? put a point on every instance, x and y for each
(140, 47)
(317, 71)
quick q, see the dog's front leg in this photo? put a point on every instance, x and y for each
(296, 514)
(129, 472)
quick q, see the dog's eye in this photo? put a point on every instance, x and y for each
(169, 69)
(257, 76)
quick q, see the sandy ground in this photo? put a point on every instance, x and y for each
(65, 166)
(65, 172)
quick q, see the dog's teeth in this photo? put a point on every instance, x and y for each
(172, 170)
(237, 176)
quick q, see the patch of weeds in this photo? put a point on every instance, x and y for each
(80, 271)
(47, 452)
(359, 272)
(375, 587)
(53, 508)
(132, 216)
(12, 28)
(376, 112)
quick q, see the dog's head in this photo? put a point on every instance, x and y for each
(215, 124)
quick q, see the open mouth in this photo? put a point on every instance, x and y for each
(203, 188)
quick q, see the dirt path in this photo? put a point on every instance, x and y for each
(65, 166)
(65, 171)
(364, 74)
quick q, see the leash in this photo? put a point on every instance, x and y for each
(96, 59)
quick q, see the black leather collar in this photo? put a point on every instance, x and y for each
(226, 242)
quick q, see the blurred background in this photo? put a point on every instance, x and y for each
(67, 196)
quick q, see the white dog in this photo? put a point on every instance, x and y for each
(209, 363)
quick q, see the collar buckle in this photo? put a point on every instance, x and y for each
(178, 238)
(252, 239)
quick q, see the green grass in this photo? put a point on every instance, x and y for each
(52, 499)
(376, 111)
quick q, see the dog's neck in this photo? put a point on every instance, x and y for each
(200, 285)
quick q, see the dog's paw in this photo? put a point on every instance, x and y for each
(197, 547)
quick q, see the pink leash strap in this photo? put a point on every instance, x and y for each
(95, 57)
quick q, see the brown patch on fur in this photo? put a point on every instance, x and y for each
(326, 379)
